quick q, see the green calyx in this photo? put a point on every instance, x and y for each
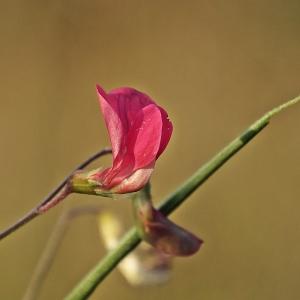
(82, 183)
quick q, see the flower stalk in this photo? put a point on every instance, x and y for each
(58, 194)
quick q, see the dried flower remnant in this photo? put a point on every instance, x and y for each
(160, 232)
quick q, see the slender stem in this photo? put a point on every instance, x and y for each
(55, 193)
(56, 237)
(89, 283)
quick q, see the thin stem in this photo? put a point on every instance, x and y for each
(55, 193)
(56, 237)
(89, 283)
(200, 176)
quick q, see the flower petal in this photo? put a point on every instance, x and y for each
(167, 129)
(139, 131)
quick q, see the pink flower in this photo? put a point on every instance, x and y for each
(139, 131)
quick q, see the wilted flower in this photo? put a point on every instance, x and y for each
(167, 236)
(160, 232)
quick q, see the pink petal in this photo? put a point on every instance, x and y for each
(139, 131)
(167, 130)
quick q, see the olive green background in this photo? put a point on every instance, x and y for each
(215, 66)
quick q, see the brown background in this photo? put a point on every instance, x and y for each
(215, 66)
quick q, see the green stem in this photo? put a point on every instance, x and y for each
(89, 283)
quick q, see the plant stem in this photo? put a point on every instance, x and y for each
(55, 194)
(40, 273)
(200, 176)
(89, 283)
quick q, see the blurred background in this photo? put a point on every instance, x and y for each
(215, 66)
